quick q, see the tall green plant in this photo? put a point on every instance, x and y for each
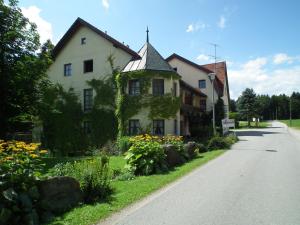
(62, 118)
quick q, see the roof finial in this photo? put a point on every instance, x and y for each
(147, 34)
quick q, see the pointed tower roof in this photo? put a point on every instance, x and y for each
(150, 60)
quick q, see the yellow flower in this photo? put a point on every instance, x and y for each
(43, 151)
(9, 158)
(34, 156)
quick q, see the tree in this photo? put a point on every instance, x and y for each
(22, 70)
(232, 105)
(247, 105)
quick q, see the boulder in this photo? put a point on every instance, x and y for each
(173, 157)
(59, 194)
(191, 148)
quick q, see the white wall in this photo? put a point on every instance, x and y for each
(143, 115)
(192, 75)
(96, 48)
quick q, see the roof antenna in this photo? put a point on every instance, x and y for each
(147, 31)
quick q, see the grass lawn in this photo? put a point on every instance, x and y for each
(295, 123)
(244, 124)
(127, 192)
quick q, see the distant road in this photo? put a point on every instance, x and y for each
(255, 183)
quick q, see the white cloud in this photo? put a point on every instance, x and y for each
(222, 22)
(44, 28)
(190, 28)
(257, 74)
(196, 26)
(281, 58)
(202, 58)
(105, 4)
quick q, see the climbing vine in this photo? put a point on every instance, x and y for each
(163, 107)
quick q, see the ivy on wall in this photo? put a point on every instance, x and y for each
(162, 107)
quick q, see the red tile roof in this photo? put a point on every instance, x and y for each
(221, 72)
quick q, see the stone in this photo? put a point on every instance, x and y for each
(59, 194)
(173, 156)
(191, 148)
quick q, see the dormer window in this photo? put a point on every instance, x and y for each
(83, 41)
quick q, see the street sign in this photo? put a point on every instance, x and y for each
(228, 123)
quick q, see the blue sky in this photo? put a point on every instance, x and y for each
(258, 39)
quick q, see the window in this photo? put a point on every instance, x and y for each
(134, 127)
(88, 66)
(203, 104)
(175, 127)
(158, 127)
(175, 69)
(158, 87)
(87, 99)
(134, 87)
(202, 84)
(174, 89)
(83, 41)
(67, 69)
(87, 127)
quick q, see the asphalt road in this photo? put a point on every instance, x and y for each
(255, 183)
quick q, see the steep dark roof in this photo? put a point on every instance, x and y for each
(174, 55)
(150, 60)
(80, 23)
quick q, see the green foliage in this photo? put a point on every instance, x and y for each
(62, 118)
(92, 174)
(23, 71)
(20, 167)
(146, 157)
(164, 107)
(232, 105)
(236, 117)
(219, 110)
(218, 142)
(201, 147)
(247, 104)
(123, 144)
(102, 116)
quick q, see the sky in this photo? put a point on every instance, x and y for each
(259, 40)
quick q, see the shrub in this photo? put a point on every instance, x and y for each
(201, 147)
(20, 167)
(123, 144)
(146, 157)
(231, 139)
(218, 143)
(92, 174)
